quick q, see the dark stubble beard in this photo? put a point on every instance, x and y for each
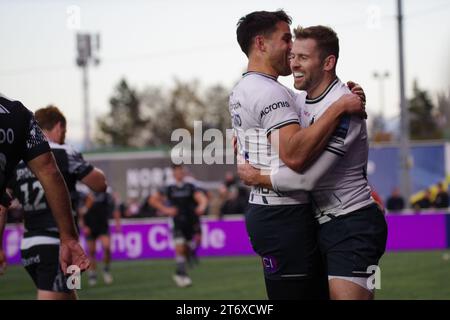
(283, 68)
(304, 86)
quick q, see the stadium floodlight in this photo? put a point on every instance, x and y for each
(88, 46)
(381, 76)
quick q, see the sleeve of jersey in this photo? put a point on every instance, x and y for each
(285, 179)
(35, 142)
(275, 110)
(195, 188)
(78, 166)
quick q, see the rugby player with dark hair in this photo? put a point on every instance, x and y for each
(265, 117)
(353, 231)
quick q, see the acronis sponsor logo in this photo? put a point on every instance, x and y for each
(274, 106)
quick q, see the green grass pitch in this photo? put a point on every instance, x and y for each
(404, 275)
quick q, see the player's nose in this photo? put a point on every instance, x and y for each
(294, 63)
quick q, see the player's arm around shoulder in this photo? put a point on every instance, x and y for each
(96, 180)
(91, 176)
(278, 115)
(298, 148)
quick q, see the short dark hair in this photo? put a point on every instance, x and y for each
(48, 117)
(256, 23)
(326, 38)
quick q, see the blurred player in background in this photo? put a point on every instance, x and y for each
(196, 242)
(100, 206)
(183, 202)
(40, 245)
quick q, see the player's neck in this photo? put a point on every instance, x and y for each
(317, 91)
(261, 67)
(50, 136)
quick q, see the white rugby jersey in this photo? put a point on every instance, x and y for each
(258, 105)
(338, 178)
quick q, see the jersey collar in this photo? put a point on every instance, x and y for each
(259, 73)
(323, 94)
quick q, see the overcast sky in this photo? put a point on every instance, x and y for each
(153, 42)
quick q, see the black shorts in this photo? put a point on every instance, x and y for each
(97, 230)
(42, 264)
(285, 237)
(353, 242)
(183, 228)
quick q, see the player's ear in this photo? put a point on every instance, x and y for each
(60, 125)
(329, 63)
(260, 43)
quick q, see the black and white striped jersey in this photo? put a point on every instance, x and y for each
(338, 178)
(38, 218)
(20, 138)
(259, 105)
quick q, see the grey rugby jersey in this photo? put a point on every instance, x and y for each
(338, 179)
(259, 105)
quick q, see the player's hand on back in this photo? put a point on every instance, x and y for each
(357, 89)
(353, 104)
(71, 253)
(248, 174)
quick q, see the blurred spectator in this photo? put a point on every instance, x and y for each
(377, 198)
(424, 202)
(395, 201)
(121, 205)
(133, 207)
(146, 210)
(230, 180)
(234, 195)
(441, 200)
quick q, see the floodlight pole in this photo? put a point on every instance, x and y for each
(405, 159)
